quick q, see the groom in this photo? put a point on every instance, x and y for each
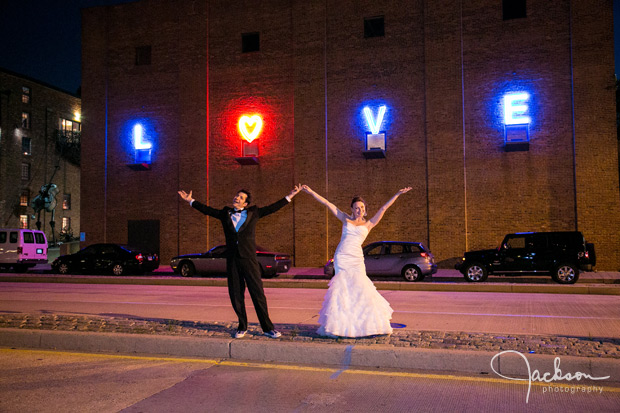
(242, 267)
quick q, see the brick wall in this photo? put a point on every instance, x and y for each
(441, 69)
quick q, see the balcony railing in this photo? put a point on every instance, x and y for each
(68, 145)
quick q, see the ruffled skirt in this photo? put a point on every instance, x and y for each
(352, 306)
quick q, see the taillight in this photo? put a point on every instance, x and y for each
(281, 257)
(20, 250)
(140, 258)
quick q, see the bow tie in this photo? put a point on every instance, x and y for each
(236, 211)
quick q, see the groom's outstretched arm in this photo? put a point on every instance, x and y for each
(270, 209)
(205, 209)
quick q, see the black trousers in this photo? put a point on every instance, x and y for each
(244, 272)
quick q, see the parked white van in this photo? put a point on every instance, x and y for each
(22, 248)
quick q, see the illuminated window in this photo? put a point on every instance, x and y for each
(24, 197)
(23, 221)
(374, 27)
(25, 171)
(25, 120)
(250, 42)
(25, 94)
(67, 125)
(66, 223)
(66, 201)
(143, 55)
(514, 9)
(26, 146)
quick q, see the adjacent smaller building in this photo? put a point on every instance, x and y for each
(40, 129)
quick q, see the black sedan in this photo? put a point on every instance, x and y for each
(411, 260)
(214, 262)
(106, 258)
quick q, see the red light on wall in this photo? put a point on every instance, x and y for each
(250, 127)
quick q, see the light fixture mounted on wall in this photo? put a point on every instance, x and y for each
(375, 139)
(516, 122)
(250, 127)
(142, 149)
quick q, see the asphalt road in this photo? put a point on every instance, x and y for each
(47, 381)
(507, 313)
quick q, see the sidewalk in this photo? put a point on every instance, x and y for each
(462, 352)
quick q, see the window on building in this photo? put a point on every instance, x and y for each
(26, 146)
(514, 9)
(24, 197)
(25, 94)
(25, 171)
(250, 42)
(66, 201)
(66, 223)
(67, 125)
(23, 221)
(143, 55)
(25, 120)
(374, 27)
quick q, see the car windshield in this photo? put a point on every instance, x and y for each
(220, 249)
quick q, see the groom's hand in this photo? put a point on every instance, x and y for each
(295, 191)
(186, 197)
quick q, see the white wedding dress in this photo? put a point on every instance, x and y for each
(353, 307)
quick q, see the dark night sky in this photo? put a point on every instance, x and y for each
(41, 39)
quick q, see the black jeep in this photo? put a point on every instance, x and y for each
(561, 254)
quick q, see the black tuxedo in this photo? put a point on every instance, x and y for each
(241, 264)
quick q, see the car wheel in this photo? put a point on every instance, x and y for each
(187, 269)
(63, 268)
(263, 274)
(475, 273)
(118, 269)
(566, 274)
(412, 273)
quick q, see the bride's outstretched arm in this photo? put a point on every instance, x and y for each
(375, 220)
(333, 209)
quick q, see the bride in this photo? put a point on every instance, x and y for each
(353, 307)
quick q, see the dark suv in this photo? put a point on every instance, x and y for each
(561, 254)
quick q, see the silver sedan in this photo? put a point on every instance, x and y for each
(411, 260)
(214, 262)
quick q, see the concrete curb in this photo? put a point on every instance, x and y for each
(340, 356)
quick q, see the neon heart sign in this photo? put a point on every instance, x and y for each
(254, 122)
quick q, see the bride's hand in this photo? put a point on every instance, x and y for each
(404, 190)
(306, 189)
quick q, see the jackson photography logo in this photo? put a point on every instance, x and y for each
(548, 377)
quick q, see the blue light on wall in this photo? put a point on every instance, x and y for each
(516, 108)
(375, 123)
(516, 121)
(374, 116)
(140, 138)
(142, 147)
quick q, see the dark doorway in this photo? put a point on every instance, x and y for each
(144, 234)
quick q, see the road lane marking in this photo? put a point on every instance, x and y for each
(295, 367)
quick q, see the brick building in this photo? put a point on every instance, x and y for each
(39, 145)
(501, 118)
